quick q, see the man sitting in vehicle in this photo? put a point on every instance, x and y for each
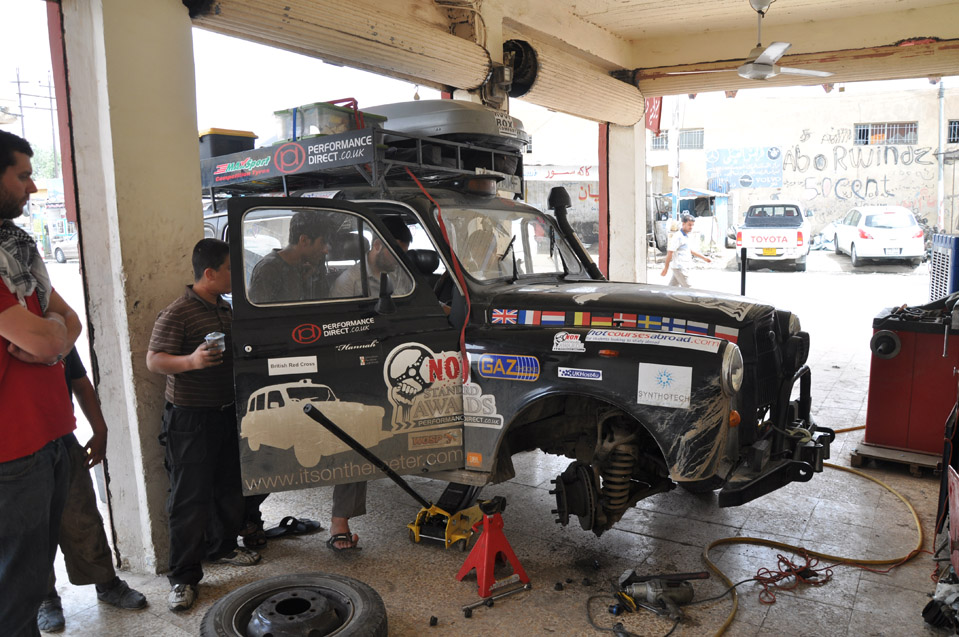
(298, 271)
(378, 260)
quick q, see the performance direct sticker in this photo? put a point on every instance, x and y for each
(664, 385)
(686, 341)
(580, 374)
(509, 367)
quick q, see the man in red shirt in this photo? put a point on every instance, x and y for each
(37, 329)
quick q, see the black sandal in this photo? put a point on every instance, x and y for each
(255, 539)
(342, 537)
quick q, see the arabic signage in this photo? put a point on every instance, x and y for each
(289, 158)
(756, 167)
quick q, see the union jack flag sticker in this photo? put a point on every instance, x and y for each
(504, 316)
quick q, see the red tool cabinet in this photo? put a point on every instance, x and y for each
(912, 388)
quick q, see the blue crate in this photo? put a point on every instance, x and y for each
(943, 266)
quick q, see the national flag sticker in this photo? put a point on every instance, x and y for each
(553, 318)
(731, 334)
(502, 317)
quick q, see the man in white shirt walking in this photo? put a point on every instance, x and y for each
(680, 253)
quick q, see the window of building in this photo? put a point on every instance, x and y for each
(953, 135)
(691, 139)
(661, 141)
(887, 133)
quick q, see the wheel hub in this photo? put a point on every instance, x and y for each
(576, 494)
(297, 612)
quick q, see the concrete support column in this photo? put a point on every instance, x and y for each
(133, 121)
(625, 170)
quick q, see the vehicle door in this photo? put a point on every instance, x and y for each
(385, 368)
(844, 231)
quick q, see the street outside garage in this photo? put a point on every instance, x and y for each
(836, 513)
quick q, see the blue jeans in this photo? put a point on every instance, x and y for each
(33, 491)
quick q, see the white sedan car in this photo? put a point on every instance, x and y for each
(879, 232)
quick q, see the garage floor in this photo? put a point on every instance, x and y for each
(836, 513)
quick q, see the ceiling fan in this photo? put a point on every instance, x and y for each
(761, 63)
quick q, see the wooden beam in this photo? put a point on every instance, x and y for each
(892, 62)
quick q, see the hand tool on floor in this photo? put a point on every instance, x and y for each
(454, 528)
(488, 601)
(661, 594)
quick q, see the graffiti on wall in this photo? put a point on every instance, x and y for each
(827, 171)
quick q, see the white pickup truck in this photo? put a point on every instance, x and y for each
(775, 231)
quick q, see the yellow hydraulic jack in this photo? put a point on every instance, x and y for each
(433, 521)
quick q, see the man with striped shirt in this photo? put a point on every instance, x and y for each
(199, 426)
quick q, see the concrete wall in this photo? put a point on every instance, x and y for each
(802, 147)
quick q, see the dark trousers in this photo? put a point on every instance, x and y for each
(32, 492)
(83, 540)
(206, 505)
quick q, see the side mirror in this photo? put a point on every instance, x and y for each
(809, 213)
(385, 304)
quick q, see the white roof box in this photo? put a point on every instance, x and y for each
(455, 120)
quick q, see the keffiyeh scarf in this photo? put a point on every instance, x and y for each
(21, 266)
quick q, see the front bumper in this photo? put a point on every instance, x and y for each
(791, 449)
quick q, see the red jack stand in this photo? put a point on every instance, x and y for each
(490, 544)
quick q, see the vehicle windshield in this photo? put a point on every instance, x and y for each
(310, 393)
(891, 219)
(489, 242)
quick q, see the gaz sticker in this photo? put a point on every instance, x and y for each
(509, 367)
(664, 385)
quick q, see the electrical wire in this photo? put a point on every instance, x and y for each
(839, 560)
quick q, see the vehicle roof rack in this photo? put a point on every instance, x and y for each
(371, 155)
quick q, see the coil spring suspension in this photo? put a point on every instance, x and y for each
(616, 476)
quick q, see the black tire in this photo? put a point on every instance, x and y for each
(61, 258)
(835, 244)
(853, 257)
(801, 265)
(229, 616)
(915, 263)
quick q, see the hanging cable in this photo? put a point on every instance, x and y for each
(457, 270)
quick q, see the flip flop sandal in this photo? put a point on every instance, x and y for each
(293, 526)
(342, 537)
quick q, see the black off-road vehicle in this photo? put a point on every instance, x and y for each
(493, 335)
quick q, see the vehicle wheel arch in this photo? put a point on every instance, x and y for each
(578, 414)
